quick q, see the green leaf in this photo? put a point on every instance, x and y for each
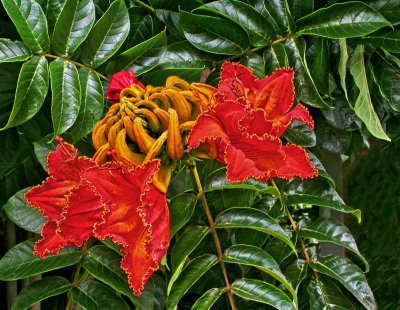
(275, 57)
(349, 275)
(328, 201)
(33, 84)
(158, 77)
(192, 272)
(278, 250)
(305, 86)
(182, 55)
(72, 26)
(256, 64)
(208, 299)
(317, 55)
(131, 56)
(94, 295)
(40, 290)
(390, 9)
(262, 292)
(256, 257)
(363, 106)
(253, 219)
(342, 20)
(171, 19)
(92, 103)
(181, 208)
(342, 115)
(332, 139)
(257, 26)
(30, 22)
(187, 242)
(66, 92)
(279, 12)
(296, 272)
(53, 9)
(107, 35)
(22, 214)
(387, 78)
(300, 134)
(214, 35)
(301, 7)
(330, 230)
(11, 51)
(19, 262)
(384, 38)
(105, 264)
(342, 66)
(325, 295)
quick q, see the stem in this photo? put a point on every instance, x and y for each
(256, 49)
(144, 5)
(192, 167)
(76, 275)
(79, 65)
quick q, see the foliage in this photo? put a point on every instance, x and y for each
(56, 57)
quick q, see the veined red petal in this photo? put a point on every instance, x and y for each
(300, 113)
(138, 218)
(52, 241)
(118, 82)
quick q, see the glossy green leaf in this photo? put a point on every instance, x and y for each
(363, 106)
(107, 35)
(349, 275)
(253, 219)
(326, 295)
(11, 51)
(342, 66)
(77, 17)
(256, 257)
(262, 292)
(208, 299)
(96, 296)
(187, 242)
(171, 19)
(129, 57)
(105, 264)
(279, 12)
(256, 64)
(181, 208)
(300, 134)
(300, 8)
(53, 9)
(342, 20)
(30, 21)
(66, 99)
(92, 103)
(40, 290)
(330, 230)
(190, 274)
(278, 249)
(327, 201)
(390, 9)
(257, 26)
(275, 57)
(214, 35)
(143, 27)
(296, 272)
(33, 84)
(317, 55)
(342, 115)
(182, 55)
(20, 263)
(332, 139)
(385, 38)
(387, 77)
(305, 86)
(22, 214)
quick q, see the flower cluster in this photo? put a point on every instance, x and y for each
(120, 193)
(243, 127)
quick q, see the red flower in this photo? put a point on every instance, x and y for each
(118, 82)
(242, 130)
(81, 200)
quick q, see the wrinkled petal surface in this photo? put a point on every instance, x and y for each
(138, 218)
(118, 82)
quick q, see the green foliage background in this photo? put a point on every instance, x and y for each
(55, 60)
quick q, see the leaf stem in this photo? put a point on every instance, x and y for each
(192, 167)
(79, 65)
(144, 5)
(76, 275)
(256, 49)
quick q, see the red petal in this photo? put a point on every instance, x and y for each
(118, 82)
(275, 94)
(83, 211)
(297, 163)
(138, 218)
(255, 122)
(51, 241)
(300, 113)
